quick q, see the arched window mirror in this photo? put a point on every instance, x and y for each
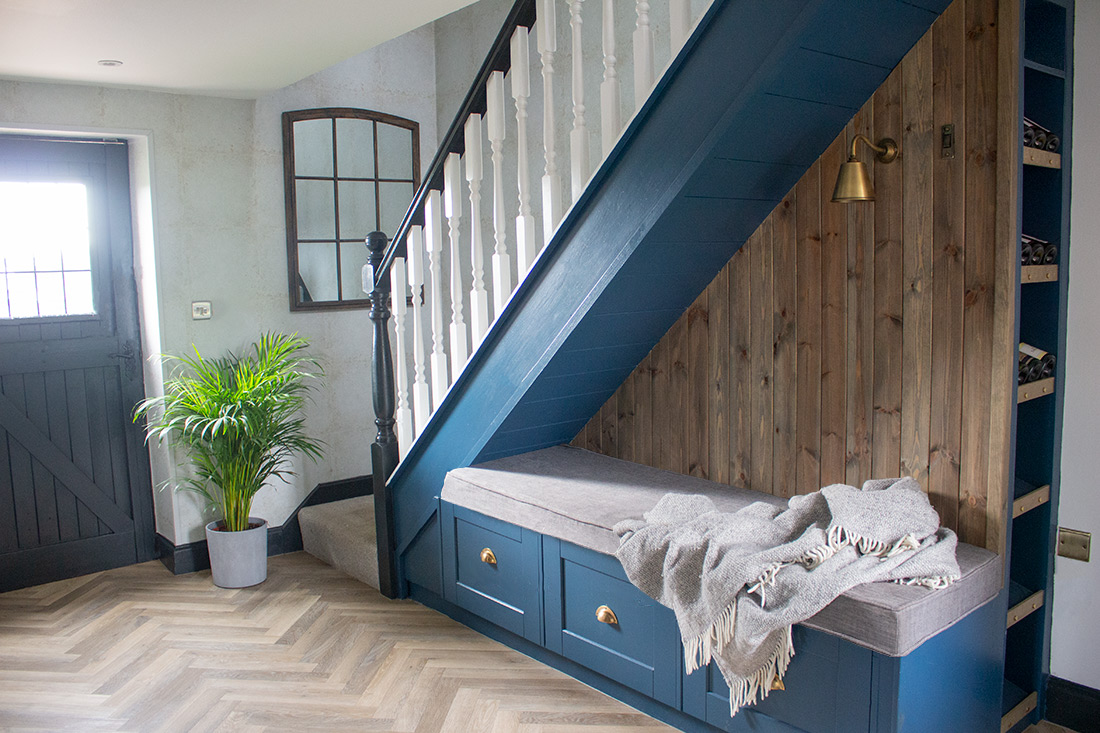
(347, 172)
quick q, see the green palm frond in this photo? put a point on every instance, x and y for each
(238, 418)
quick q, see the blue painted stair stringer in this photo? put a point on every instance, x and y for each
(759, 91)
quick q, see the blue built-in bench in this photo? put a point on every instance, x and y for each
(528, 547)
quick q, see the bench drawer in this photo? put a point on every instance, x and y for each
(493, 570)
(597, 618)
(828, 690)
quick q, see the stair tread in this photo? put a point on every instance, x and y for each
(342, 534)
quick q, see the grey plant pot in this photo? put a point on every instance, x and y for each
(238, 559)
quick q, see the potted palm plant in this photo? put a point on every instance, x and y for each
(239, 420)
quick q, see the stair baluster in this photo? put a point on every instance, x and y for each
(433, 243)
(526, 248)
(404, 416)
(610, 118)
(546, 29)
(643, 54)
(422, 403)
(679, 23)
(479, 298)
(494, 123)
(452, 209)
(578, 137)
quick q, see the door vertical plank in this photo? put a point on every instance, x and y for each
(740, 324)
(916, 165)
(808, 331)
(949, 251)
(22, 476)
(860, 301)
(45, 496)
(785, 367)
(718, 331)
(97, 427)
(117, 430)
(9, 531)
(624, 419)
(68, 525)
(761, 277)
(76, 397)
(834, 261)
(981, 187)
(697, 446)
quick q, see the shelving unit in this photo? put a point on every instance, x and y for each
(1045, 87)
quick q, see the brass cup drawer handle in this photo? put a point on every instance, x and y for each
(488, 557)
(606, 616)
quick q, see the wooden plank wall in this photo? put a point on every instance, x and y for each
(845, 342)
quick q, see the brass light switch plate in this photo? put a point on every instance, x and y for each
(1074, 544)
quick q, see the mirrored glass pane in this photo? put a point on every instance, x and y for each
(4, 311)
(51, 294)
(353, 256)
(394, 152)
(78, 293)
(394, 199)
(313, 147)
(316, 210)
(357, 209)
(317, 271)
(354, 148)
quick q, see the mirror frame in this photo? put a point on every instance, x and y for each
(289, 188)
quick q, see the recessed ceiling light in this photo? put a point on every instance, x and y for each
(109, 62)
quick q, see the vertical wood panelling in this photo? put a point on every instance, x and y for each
(808, 331)
(834, 261)
(981, 185)
(860, 301)
(785, 368)
(848, 342)
(949, 249)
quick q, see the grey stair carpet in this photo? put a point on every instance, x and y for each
(342, 534)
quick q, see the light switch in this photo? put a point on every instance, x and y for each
(201, 310)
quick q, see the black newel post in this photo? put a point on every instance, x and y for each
(384, 454)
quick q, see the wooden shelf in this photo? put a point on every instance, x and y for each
(1020, 705)
(1022, 602)
(1038, 274)
(1041, 158)
(1031, 500)
(1033, 390)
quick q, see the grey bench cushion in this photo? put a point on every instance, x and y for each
(578, 496)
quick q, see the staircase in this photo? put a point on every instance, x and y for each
(753, 92)
(341, 533)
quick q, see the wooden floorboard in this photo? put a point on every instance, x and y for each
(139, 649)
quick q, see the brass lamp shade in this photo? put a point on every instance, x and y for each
(853, 183)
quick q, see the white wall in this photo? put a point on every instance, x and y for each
(1075, 650)
(218, 232)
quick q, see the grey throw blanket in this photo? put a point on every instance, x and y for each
(738, 582)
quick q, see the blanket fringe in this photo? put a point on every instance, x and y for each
(698, 651)
(754, 688)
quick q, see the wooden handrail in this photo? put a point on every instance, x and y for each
(498, 59)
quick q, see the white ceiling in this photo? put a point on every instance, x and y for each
(234, 48)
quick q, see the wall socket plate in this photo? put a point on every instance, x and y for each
(201, 310)
(1074, 544)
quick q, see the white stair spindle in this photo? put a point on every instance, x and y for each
(546, 27)
(578, 137)
(610, 118)
(479, 298)
(521, 90)
(422, 401)
(433, 242)
(643, 54)
(452, 209)
(679, 23)
(400, 289)
(502, 264)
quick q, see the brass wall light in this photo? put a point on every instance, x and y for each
(853, 182)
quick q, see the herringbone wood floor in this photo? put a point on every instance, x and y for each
(138, 649)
